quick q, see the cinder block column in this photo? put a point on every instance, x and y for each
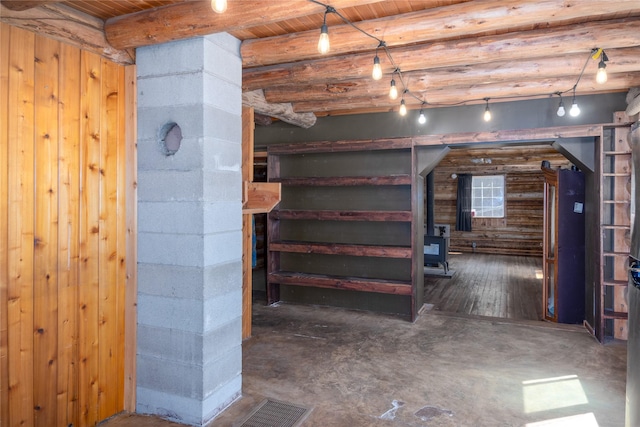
(190, 221)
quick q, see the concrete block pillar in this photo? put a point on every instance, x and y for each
(190, 221)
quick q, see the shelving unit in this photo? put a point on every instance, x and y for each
(615, 232)
(356, 237)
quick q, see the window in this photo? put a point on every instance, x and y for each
(487, 196)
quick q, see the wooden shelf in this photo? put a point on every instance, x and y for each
(622, 283)
(396, 287)
(613, 174)
(345, 181)
(327, 215)
(616, 153)
(610, 314)
(342, 249)
(615, 227)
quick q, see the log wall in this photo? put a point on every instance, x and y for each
(520, 231)
(65, 139)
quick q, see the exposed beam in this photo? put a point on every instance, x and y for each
(474, 94)
(447, 22)
(283, 112)
(19, 5)
(525, 45)
(67, 25)
(196, 18)
(620, 61)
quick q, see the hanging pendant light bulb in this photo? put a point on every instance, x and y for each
(487, 111)
(422, 119)
(377, 69)
(393, 90)
(403, 108)
(601, 76)
(575, 110)
(219, 6)
(323, 42)
(561, 109)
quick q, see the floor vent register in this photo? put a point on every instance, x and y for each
(272, 413)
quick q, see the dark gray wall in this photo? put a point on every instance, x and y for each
(507, 115)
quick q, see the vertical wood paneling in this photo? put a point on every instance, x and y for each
(20, 237)
(121, 244)
(5, 35)
(90, 83)
(131, 202)
(68, 228)
(108, 243)
(66, 179)
(45, 287)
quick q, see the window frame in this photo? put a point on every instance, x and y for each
(474, 208)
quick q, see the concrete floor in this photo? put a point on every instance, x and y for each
(354, 368)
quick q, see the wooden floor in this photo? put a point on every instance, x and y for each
(489, 285)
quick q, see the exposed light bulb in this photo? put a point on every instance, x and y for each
(219, 6)
(403, 108)
(601, 76)
(377, 69)
(393, 90)
(487, 114)
(323, 42)
(561, 109)
(422, 119)
(575, 110)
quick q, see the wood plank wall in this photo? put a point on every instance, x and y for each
(64, 146)
(520, 231)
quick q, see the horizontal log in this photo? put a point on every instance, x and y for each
(196, 18)
(514, 135)
(68, 25)
(522, 46)
(395, 287)
(340, 146)
(497, 92)
(447, 22)
(341, 181)
(342, 249)
(326, 215)
(19, 5)
(281, 111)
(621, 60)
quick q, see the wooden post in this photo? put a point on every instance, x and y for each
(247, 176)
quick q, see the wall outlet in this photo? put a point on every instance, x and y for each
(473, 245)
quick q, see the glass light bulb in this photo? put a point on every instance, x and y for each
(403, 108)
(422, 119)
(219, 6)
(323, 42)
(575, 110)
(487, 114)
(377, 69)
(601, 76)
(393, 90)
(561, 109)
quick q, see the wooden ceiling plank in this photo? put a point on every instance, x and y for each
(525, 45)
(185, 20)
(67, 25)
(620, 61)
(447, 22)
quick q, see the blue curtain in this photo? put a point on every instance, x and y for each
(463, 203)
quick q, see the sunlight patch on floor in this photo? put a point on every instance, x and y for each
(582, 420)
(552, 393)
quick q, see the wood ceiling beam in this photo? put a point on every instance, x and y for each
(67, 25)
(525, 45)
(19, 5)
(475, 94)
(424, 81)
(457, 20)
(196, 18)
